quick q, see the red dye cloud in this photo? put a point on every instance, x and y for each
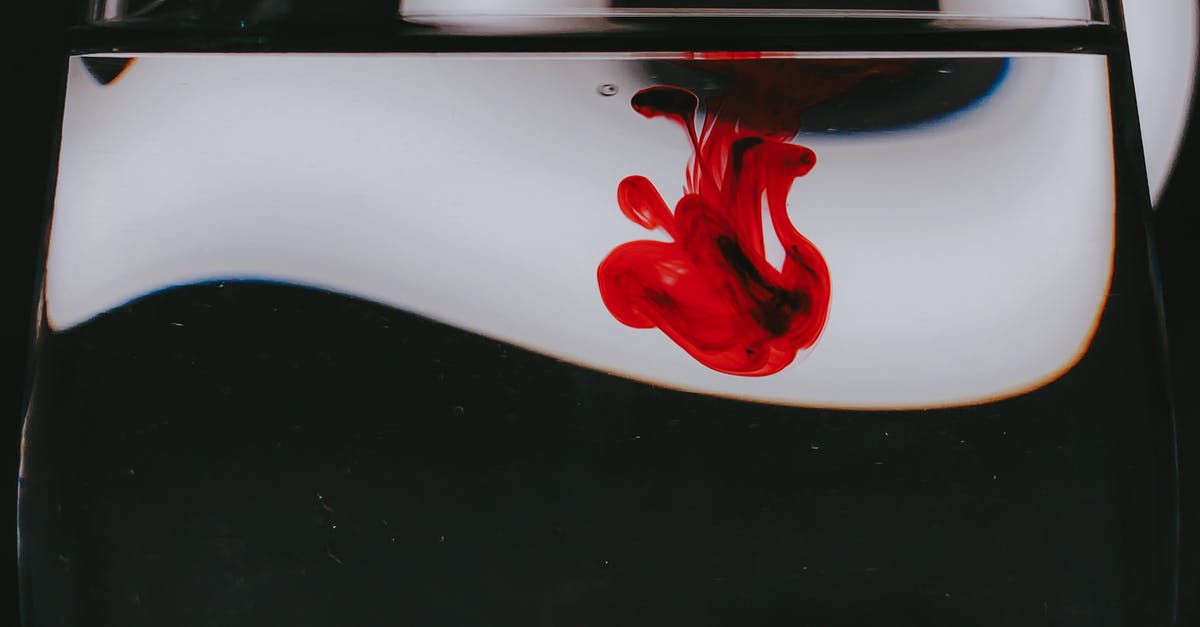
(711, 289)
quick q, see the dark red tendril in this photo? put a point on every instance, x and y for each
(711, 289)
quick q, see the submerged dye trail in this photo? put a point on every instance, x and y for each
(711, 289)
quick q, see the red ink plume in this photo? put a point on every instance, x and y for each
(711, 289)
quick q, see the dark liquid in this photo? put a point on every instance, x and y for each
(247, 454)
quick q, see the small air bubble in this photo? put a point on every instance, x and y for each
(607, 89)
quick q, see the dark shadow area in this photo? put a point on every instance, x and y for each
(248, 453)
(1178, 230)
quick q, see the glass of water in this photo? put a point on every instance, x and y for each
(598, 313)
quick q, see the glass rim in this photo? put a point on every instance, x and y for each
(467, 12)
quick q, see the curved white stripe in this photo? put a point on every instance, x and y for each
(1163, 49)
(969, 257)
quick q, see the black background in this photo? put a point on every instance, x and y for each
(32, 70)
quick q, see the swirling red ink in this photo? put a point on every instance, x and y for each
(711, 289)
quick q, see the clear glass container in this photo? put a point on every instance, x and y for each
(570, 313)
